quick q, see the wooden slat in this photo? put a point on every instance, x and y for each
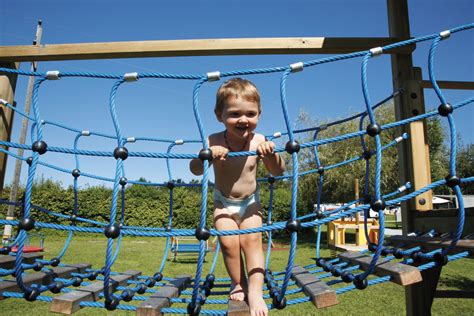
(70, 302)
(8, 262)
(453, 85)
(29, 279)
(81, 267)
(320, 293)
(195, 47)
(433, 243)
(401, 274)
(161, 298)
(238, 308)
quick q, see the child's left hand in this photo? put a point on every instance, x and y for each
(265, 148)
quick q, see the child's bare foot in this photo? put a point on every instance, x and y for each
(257, 305)
(236, 293)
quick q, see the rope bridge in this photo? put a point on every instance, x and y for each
(278, 284)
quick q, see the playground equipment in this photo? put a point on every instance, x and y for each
(417, 267)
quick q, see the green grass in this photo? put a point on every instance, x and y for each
(145, 254)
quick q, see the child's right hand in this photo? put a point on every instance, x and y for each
(219, 152)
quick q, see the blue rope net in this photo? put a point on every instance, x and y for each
(278, 283)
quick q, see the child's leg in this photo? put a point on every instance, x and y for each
(252, 246)
(230, 246)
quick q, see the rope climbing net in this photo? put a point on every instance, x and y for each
(277, 283)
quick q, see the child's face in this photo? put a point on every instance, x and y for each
(239, 116)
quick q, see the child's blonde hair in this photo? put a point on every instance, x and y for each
(238, 88)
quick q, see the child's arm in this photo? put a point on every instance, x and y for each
(272, 161)
(218, 152)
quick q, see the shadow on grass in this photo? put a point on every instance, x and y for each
(457, 282)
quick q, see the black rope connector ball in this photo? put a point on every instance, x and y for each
(440, 259)
(360, 283)
(127, 295)
(293, 225)
(123, 181)
(452, 181)
(321, 170)
(5, 250)
(168, 228)
(93, 275)
(320, 214)
(141, 288)
(202, 233)
(336, 271)
(26, 224)
(112, 304)
(366, 154)
(211, 278)
(150, 282)
(347, 276)
(40, 147)
(32, 295)
(77, 281)
(76, 173)
(170, 185)
(377, 205)
(320, 262)
(73, 217)
(372, 247)
(445, 109)
(271, 180)
(292, 147)
(386, 251)
(416, 256)
(37, 266)
(121, 152)
(205, 154)
(398, 253)
(373, 129)
(56, 287)
(327, 267)
(29, 160)
(112, 231)
(55, 262)
(194, 309)
(279, 304)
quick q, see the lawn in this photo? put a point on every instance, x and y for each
(145, 254)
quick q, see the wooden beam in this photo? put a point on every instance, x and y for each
(321, 294)
(449, 85)
(7, 92)
(196, 47)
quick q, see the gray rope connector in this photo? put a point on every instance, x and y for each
(3, 102)
(86, 133)
(297, 67)
(130, 77)
(179, 142)
(399, 139)
(213, 76)
(52, 75)
(277, 134)
(403, 188)
(376, 51)
(131, 140)
(445, 34)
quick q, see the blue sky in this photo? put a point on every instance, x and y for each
(160, 108)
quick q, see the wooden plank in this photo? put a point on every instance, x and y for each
(8, 262)
(401, 274)
(433, 243)
(29, 279)
(7, 93)
(196, 47)
(70, 302)
(320, 293)
(82, 267)
(453, 85)
(63, 272)
(161, 298)
(238, 308)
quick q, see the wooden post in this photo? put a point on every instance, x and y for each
(7, 231)
(356, 197)
(410, 105)
(7, 92)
